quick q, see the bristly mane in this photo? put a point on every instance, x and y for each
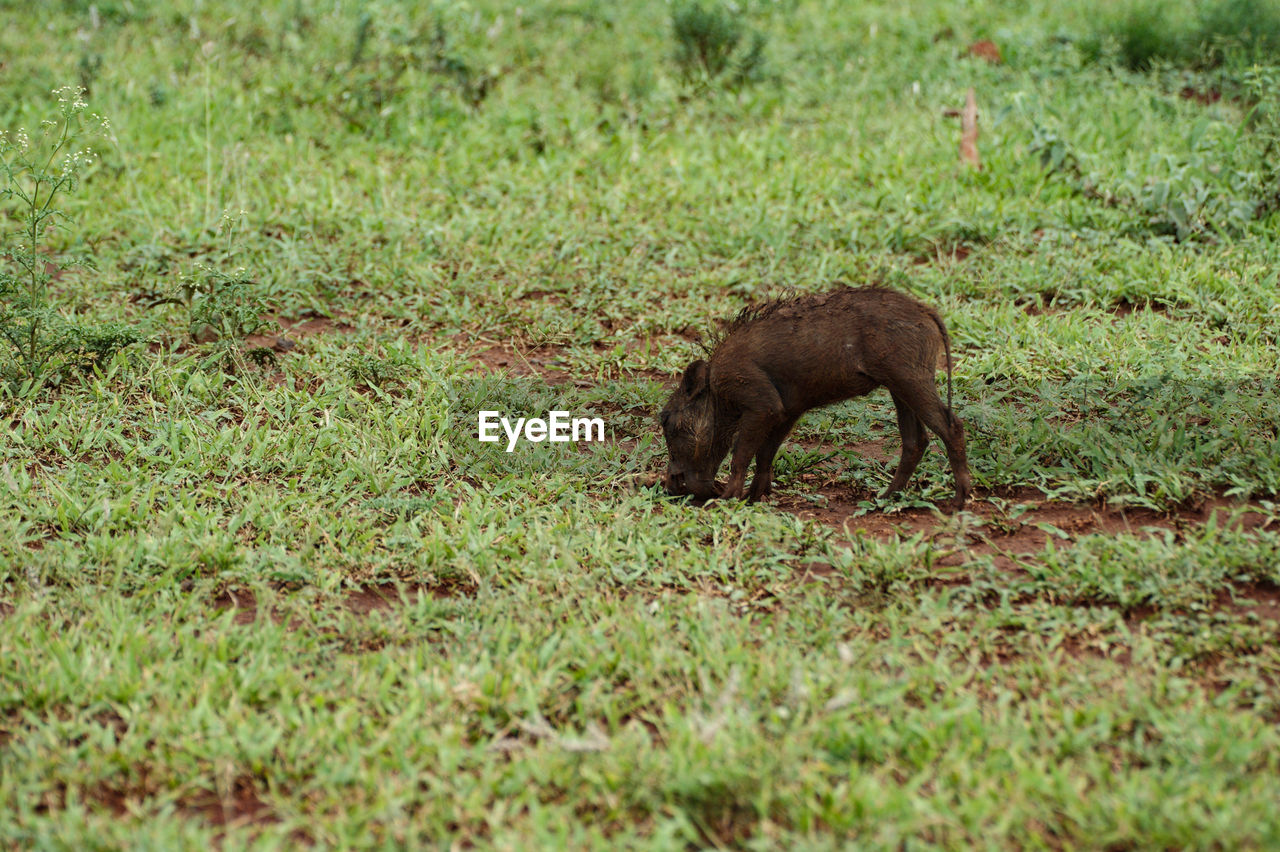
(745, 317)
(790, 300)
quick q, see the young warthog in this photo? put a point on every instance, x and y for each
(777, 361)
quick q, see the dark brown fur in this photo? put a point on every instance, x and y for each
(775, 362)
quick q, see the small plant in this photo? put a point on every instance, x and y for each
(707, 41)
(1145, 33)
(222, 308)
(1196, 196)
(95, 345)
(219, 306)
(36, 171)
(392, 61)
(385, 370)
(1247, 29)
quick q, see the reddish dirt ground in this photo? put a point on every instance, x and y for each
(1005, 538)
(1039, 521)
(240, 806)
(547, 362)
(295, 331)
(1200, 96)
(1256, 599)
(985, 50)
(362, 600)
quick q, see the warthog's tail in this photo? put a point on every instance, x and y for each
(946, 347)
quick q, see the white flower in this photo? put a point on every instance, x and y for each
(71, 98)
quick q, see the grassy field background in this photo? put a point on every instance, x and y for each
(261, 586)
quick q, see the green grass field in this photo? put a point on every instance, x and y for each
(262, 587)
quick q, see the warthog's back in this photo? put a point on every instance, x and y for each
(819, 349)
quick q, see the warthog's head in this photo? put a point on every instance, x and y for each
(696, 443)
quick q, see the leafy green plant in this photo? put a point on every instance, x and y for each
(1195, 196)
(220, 306)
(393, 59)
(708, 40)
(37, 171)
(1190, 200)
(1142, 33)
(1146, 33)
(1247, 31)
(379, 370)
(222, 309)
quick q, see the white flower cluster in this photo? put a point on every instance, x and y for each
(71, 98)
(71, 103)
(78, 160)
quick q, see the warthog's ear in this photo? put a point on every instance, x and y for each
(697, 378)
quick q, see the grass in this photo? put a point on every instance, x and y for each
(263, 600)
(1204, 33)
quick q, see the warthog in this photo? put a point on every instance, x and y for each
(775, 362)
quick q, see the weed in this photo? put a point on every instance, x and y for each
(37, 171)
(219, 306)
(1148, 31)
(389, 369)
(1194, 196)
(1202, 34)
(1240, 32)
(222, 308)
(95, 345)
(707, 41)
(392, 60)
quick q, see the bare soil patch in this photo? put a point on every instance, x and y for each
(294, 331)
(877, 450)
(943, 252)
(1258, 599)
(1022, 522)
(240, 806)
(985, 50)
(1200, 96)
(1040, 304)
(1025, 525)
(363, 600)
(547, 361)
(1124, 308)
(1037, 305)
